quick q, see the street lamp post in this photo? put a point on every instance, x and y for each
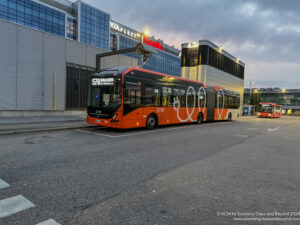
(250, 83)
(143, 35)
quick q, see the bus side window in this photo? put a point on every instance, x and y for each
(156, 97)
(175, 94)
(236, 102)
(137, 97)
(182, 98)
(201, 99)
(220, 100)
(230, 102)
(191, 99)
(132, 95)
(147, 98)
(132, 99)
(166, 96)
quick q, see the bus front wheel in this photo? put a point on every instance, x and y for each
(151, 122)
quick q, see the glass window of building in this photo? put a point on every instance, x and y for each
(205, 55)
(164, 63)
(125, 42)
(71, 28)
(113, 42)
(34, 15)
(94, 27)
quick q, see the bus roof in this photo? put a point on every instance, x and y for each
(162, 74)
(126, 69)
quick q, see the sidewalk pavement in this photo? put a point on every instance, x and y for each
(39, 119)
(36, 124)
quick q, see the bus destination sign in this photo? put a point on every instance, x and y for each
(102, 81)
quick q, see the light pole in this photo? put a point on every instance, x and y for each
(250, 83)
(142, 35)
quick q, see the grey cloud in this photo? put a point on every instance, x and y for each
(254, 30)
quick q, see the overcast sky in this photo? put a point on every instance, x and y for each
(265, 34)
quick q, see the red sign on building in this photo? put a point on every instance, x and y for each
(154, 44)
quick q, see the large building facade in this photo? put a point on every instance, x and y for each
(89, 25)
(289, 99)
(48, 50)
(206, 62)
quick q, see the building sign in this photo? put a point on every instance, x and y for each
(102, 81)
(154, 44)
(121, 29)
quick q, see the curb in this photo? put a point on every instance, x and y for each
(43, 130)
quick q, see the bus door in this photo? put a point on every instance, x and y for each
(132, 103)
(211, 103)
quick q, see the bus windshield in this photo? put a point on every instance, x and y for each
(105, 92)
(264, 108)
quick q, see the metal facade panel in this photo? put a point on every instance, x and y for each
(8, 68)
(76, 52)
(91, 56)
(54, 65)
(30, 69)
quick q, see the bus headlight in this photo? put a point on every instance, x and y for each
(270, 114)
(258, 114)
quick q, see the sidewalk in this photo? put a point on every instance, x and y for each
(36, 124)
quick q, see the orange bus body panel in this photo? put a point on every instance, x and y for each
(138, 117)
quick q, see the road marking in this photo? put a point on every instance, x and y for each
(241, 135)
(49, 222)
(3, 184)
(250, 128)
(14, 205)
(125, 135)
(145, 132)
(274, 129)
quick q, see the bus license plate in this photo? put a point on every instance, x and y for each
(98, 121)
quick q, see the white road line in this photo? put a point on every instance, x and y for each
(3, 184)
(241, 135)
(273, 129)
(49, 222)
(14, 205)
(125, 135)
(250, 128)
(145, 132)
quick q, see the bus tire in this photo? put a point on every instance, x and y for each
(200, 118)
(151, 122)
(229, 117)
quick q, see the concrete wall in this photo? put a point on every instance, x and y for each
(28, 61)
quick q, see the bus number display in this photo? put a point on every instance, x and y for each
(102, 81)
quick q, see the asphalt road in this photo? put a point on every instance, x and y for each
(204, 175)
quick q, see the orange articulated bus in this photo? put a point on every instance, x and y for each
(129, 97)
(270, 110)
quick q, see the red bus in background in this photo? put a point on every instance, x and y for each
(128, 97)
(270, 110)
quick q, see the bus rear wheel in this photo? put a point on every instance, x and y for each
(151, 122)
(229, 117)
(200, 118)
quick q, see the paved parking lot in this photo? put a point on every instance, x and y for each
(215, 173)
